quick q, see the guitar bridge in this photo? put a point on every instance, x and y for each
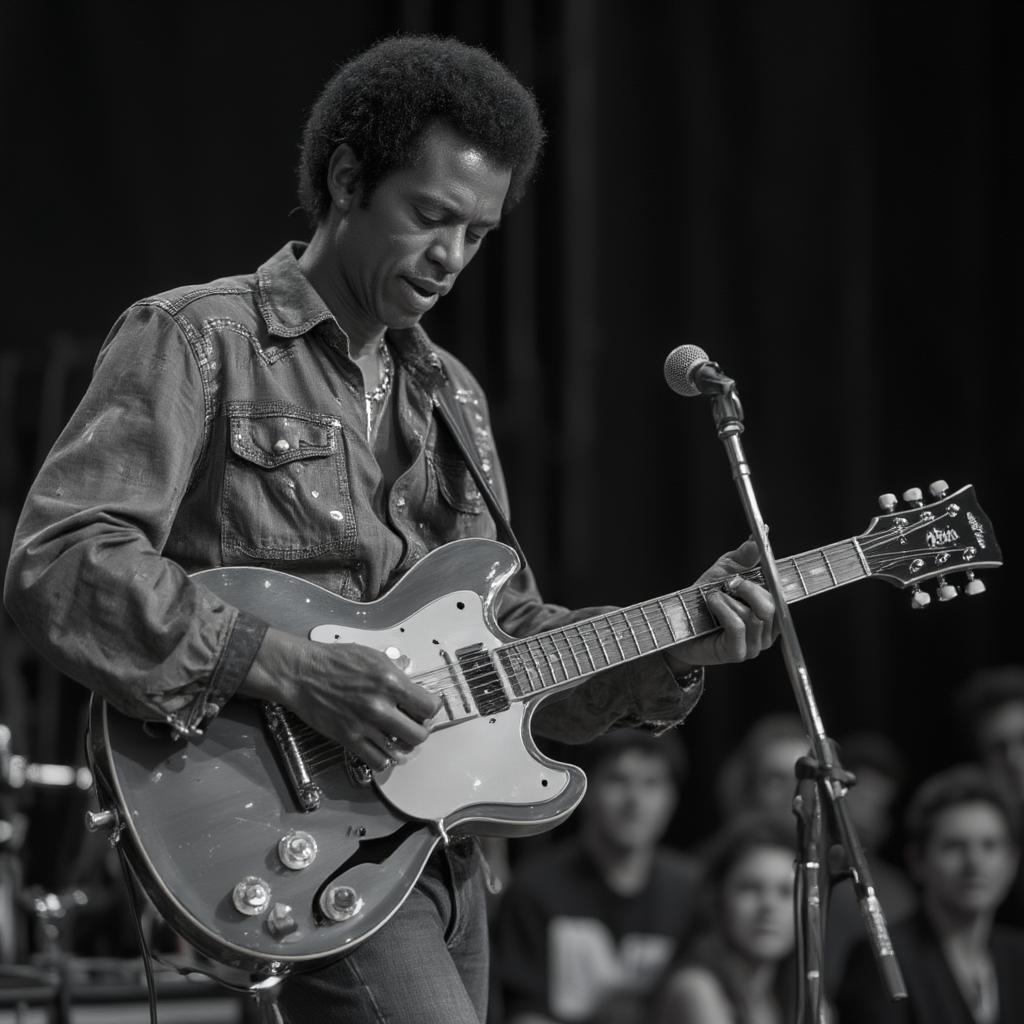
(306, 791)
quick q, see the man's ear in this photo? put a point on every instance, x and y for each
(343, 176)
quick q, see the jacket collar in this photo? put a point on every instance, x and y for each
(291, 307)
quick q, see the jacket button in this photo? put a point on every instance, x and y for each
(281, 446)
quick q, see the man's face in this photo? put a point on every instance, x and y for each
(1000, 741)
(631, 799)
(422, 226)
(968, 861)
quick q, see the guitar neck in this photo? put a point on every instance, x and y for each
(560, 656)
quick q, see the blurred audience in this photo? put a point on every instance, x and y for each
(736, 967)
(959, 966)
(586, 926)
(990, 706)
(761, 774)
(881, 775)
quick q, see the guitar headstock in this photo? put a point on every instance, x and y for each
(920, 542)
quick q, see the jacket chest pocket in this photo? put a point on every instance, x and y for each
(286, 489)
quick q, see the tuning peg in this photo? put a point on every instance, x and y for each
(938, 488)
(946, 590)
(913, 496)
(887, 502)
(920, 599)
(973, 586)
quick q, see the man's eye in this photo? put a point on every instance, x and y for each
(475, 237)
(427, 218)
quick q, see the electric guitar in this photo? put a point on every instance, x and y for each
(270, 849)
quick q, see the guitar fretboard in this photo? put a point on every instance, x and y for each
(569, 653)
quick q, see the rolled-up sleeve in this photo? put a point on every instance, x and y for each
(87, 584)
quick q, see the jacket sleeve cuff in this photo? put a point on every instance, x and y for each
(235, 661)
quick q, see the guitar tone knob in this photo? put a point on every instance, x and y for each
(938, 488)
(340, 902)
(251, 896)
(887, 502)
(297, 850)
(920, 599)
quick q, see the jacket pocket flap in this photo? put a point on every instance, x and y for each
(273, 440)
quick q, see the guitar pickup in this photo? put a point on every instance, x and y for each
(482, 678)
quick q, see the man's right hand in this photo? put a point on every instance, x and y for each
(350, 693)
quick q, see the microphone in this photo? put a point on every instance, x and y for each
(689, 372)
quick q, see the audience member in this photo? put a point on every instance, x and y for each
(959, 967)
(587, 926)
(737, 967)
(880, 774)
(990, 705)
(761, 774)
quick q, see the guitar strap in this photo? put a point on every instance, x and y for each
(450, 410)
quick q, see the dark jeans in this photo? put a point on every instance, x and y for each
(427, 964)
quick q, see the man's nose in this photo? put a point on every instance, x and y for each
(448, 249)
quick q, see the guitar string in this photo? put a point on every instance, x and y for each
(694, 602)
(481, 667)
(607, 628)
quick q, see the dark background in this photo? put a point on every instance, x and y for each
(824, 196)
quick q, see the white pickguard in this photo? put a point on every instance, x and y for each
(473, 765)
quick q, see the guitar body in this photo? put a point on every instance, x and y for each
(203, 814)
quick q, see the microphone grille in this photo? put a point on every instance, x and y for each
(678, 365)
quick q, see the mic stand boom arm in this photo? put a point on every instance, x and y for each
(821, 811)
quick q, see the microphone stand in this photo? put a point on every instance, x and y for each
(822, 816)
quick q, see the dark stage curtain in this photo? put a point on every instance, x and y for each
(823, 196)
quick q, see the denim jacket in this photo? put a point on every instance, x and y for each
(224, 425)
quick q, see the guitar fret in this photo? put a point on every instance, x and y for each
(828, 565)
(689, 617)
(554, 651)
(617, 639)
(650, 628)
(800, 576)
(572, 650)
(600, 643)
(673, 636)
(544, 672)
(624, 617)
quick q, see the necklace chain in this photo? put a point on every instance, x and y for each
(381, 391)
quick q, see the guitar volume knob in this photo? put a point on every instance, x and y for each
(251, 896)
(297, 850)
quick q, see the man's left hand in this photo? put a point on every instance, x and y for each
(746, 614)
